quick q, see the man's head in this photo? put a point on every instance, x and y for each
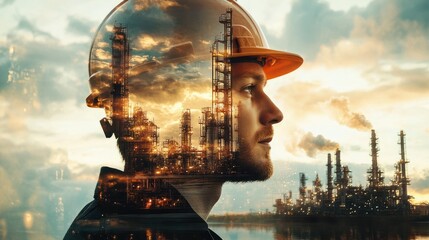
(195, 71)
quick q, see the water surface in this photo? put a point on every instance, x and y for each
(286, 231)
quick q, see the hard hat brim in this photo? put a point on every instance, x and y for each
(284, 63)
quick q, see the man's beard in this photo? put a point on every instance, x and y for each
(250, 165)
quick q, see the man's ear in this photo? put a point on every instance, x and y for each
(107, 127)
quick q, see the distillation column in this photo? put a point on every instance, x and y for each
(302, 188)
(403, 179)
(186, 131)
(207, 137)
(186, 138)
(375, 177)
(329, 176)
(317, 184)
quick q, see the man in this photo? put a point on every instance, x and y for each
(156, 56)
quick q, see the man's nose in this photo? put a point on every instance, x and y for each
(270, 113)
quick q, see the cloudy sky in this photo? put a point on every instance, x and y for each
(366, 66)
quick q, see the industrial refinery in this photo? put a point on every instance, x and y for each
(143, 149)
(342, 199)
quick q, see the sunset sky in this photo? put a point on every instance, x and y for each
(366, 66)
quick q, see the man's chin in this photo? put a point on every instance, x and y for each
(253, 172)
(246, 177)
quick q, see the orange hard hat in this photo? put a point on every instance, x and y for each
(162, 32)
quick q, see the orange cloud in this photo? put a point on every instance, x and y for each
(163, 4)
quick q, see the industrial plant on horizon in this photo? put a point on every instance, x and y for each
(341, 198)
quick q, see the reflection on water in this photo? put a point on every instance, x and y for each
(285, 231)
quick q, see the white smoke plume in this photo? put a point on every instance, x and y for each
(342, 113)
(312, 144)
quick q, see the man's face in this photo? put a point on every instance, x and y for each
(256, 115)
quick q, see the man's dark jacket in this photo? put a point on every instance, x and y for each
(126, 207)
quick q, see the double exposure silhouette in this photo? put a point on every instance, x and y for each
(166, 71)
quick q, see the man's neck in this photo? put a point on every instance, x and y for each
(201, 194)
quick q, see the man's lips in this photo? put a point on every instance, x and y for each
(265, 140)
(265, 136)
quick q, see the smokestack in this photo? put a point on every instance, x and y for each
(329, 180)
(338, 166)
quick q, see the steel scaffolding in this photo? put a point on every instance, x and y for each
(222, 104)
(120, 66)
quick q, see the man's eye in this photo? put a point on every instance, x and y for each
(249, 89)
